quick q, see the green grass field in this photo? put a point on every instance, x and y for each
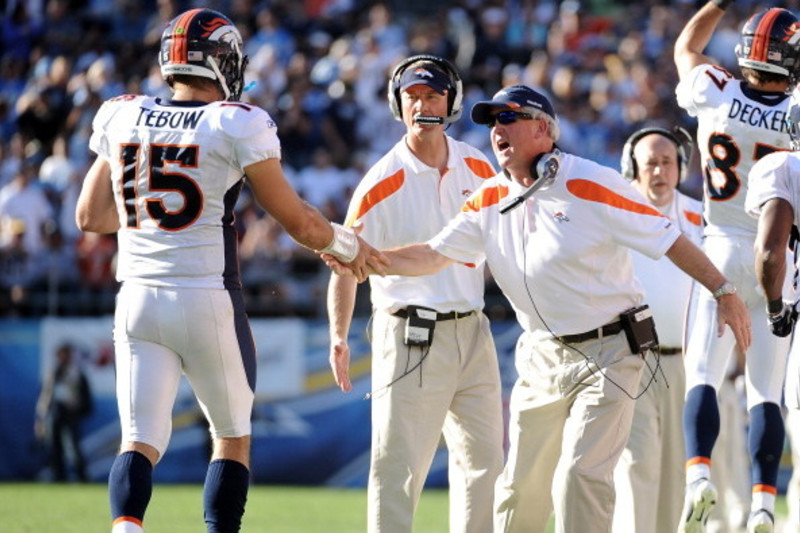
(72, 508)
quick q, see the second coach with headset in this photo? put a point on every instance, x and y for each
(555, 230)
(650, 476)
(434, 364)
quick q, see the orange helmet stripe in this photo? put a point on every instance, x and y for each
(760, 48)
(178, 49)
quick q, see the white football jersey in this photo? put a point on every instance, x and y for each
(737, 126)
(176, 171)
(775, 177)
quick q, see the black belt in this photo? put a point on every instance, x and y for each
(402, 313)
(669, 351)
(609, 329)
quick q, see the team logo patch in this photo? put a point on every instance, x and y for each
(422, 73)
(465, 192)
(561, 217)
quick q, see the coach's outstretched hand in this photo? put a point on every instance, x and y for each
(732, 311)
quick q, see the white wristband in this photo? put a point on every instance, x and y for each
(344, 245)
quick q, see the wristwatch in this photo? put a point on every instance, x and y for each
(725, 288)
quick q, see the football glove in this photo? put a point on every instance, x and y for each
(782, 322)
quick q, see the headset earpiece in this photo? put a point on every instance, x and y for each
(679, 136)
(454, 96)
(546, 164)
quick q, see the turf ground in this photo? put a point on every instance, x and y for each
(72, 508)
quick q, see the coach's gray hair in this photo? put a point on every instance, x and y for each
(553, 128)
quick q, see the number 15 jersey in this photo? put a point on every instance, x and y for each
(736, 126)
(176, 172)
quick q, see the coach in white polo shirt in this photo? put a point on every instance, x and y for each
(555, 230)
(434, 364)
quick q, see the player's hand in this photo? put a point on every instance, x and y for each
(782, 323)
(369, 261)
(339, 359)
(732, 311)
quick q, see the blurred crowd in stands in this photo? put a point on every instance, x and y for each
(320, 67)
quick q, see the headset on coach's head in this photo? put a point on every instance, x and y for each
(454, 90)
(679, 136)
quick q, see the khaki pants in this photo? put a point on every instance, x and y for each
(455, 391)
(569, 421)
(650, 475)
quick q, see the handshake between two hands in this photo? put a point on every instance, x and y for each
(782, 322)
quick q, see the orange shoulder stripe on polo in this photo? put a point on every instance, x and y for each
(480, 168)
(693, 218)
(486, 198)
(178, 49)
(382, 190)
(594, 192)
(760, 47)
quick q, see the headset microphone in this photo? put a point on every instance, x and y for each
(423, 119)
(545, 172)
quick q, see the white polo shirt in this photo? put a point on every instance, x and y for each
(562, 258)
(403, 201)
(667, 288)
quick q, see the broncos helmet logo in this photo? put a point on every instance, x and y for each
(422, 73)
(212, 25)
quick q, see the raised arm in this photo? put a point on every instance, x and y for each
(730, 308)
(695, 36)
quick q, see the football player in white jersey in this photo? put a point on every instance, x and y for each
(774, 198)
(739, 122)
(166, 178)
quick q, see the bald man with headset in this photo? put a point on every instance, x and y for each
(650, 475)
(555, 229)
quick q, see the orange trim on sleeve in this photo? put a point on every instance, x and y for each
(486, 198)
(698, 461)
(382, 190)
(480, 168)
(765, 488)
(594, 192)
(693, 218)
